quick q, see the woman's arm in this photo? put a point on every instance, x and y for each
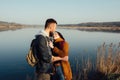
(62, 52)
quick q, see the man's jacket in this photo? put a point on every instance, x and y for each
(43, 53)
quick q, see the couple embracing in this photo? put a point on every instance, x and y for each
(52, 54)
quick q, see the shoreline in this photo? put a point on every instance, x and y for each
(81, 28)
(6, 28)
(84, 28)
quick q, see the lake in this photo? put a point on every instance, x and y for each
(14, 46)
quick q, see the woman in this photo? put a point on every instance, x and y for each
(60, 49)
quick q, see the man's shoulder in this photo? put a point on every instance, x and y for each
(40, 37)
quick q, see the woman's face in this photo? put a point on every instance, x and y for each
(56, 35)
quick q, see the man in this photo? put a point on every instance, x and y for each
(43, 51)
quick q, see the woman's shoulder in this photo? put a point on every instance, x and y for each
(65, 42)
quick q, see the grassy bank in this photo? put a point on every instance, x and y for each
(84, 28)
(15, 27)
(103, 29)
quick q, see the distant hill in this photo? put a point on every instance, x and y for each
(95, 24)
(9, 26)
(3, 23)
(12, 26)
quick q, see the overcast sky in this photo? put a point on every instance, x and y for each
(64, 11)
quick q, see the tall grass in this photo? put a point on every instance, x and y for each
(108, 61)
(81, 66)
(105, 65)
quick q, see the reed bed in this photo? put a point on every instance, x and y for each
(105, 66)
(108, 59)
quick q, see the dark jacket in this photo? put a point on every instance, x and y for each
(44, 55)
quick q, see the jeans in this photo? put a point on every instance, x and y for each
(59, 74)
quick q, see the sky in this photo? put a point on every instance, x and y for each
(63, 11)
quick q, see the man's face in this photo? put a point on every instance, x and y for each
(52, 27)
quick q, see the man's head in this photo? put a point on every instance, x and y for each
(51, 24)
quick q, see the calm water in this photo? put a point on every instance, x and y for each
(14, 46)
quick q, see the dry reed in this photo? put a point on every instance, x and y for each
(108, 62)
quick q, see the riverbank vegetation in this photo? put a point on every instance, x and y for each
(104, 66)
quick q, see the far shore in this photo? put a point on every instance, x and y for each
(5, 28)
(82, 28)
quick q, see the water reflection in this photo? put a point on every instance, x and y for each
(15, 44)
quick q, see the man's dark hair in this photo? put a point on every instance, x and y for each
(49, 21)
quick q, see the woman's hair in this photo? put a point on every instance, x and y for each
(61, 36)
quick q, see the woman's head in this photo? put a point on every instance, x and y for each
(57, 34)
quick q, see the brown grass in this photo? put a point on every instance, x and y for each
(108, 62)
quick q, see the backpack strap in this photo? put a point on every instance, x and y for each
(32, 43)
(46, 38)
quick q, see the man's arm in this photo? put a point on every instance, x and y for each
(59, 58)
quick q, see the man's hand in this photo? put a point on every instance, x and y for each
(65, 58)
(51, 45)
(59, 58)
